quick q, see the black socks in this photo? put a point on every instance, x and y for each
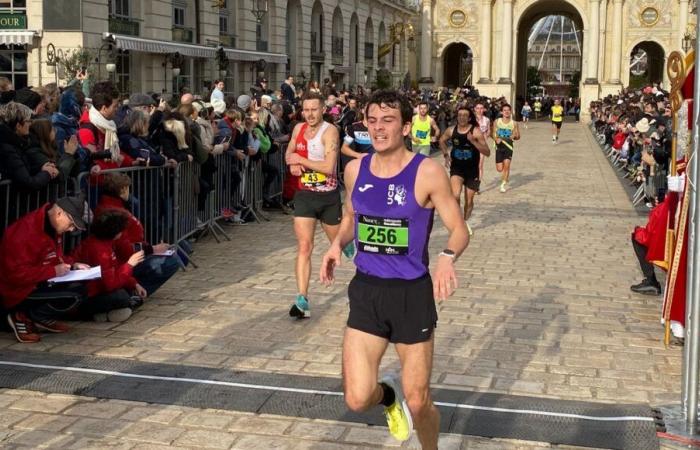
(389, 396)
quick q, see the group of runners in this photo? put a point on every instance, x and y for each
(385, 222)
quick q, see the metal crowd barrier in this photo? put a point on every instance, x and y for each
(16, 201)
(152, 198)
(172, 204)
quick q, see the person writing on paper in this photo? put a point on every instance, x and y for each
(159, 265)
(31, 253)
(113, 297)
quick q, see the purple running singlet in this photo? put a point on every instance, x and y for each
(391, 229)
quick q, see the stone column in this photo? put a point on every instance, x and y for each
(426, 42)
(485, 60)
(683, 21)
(615, 75)
(593, 37)
(506, 42)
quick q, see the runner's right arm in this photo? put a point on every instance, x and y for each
(443, 145)
(295, 169)
(347, 149)
(346, 233)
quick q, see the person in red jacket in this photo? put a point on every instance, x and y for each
(159, 266)
(98, 132)
(31, 253)
(114, 296)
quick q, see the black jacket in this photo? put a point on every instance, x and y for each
(15, 164)
(66, 164)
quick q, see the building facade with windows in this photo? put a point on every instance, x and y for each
(139, 43)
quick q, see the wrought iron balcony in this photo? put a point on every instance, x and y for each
(317, 54)
(337, 50)
(123, 25)
(369, 51)
(181, 34)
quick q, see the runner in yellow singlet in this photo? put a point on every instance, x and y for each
(557, 116)
(505, 132)
(421, 126)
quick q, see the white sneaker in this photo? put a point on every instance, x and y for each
(677, 329)
(503, 187)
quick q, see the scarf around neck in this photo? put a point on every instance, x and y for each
(109, 128)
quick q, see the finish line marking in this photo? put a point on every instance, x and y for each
(316, 392)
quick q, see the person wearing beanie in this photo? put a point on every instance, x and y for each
(244, 101)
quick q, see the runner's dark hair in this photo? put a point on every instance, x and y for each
(506, 105)
(472, 116)
(313, 96)
(390, 98)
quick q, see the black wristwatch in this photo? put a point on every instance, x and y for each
(448, 252)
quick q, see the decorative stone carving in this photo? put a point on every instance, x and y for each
(650, 13)
(453, 14)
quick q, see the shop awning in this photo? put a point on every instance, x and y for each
(196, 51)
(249, 55)
(23, 37)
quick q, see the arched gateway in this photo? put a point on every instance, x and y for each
(497, 31)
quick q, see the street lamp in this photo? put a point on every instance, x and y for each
(176, 60)
(688, 42)
(53, 58)
(111, 66)
(222, 61)
(259, 10)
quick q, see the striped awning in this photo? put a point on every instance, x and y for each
(22, 37)
(196, 51)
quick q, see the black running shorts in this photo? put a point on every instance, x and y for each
(503, 153)
(467, 174)
(557, 124)
(323, 206)
(401, 311)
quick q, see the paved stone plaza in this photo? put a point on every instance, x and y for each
(543, 309)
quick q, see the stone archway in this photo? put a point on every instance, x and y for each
(457, 63)
(529, 17)
(646, 64)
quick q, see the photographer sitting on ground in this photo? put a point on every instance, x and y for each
(31, 253)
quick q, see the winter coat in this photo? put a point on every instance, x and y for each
(15, 164)
(115, 274)
(133, 234)
(28, 256)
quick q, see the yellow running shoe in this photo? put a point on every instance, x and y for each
(398, 416)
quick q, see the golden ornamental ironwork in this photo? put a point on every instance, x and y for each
(676, 69)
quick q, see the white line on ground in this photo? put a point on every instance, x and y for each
(316, 392)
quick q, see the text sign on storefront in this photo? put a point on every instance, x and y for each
(13, 21)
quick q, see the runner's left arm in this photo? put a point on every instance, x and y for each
(479, 142)
(433, 180)
(330, 144)
(516, 131)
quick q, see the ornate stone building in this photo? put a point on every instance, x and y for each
(495, 34)
(141, 42)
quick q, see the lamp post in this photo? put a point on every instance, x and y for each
(110, 65)
(259, 10)
(176, 60)
(53, 58)
(222, 61)
(688, 42)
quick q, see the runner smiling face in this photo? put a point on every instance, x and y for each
(386, 127)
(506, 112)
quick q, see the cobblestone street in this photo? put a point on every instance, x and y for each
(543, 309)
